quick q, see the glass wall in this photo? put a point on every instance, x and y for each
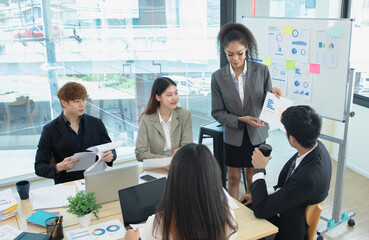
(115, 49)
(359, 46)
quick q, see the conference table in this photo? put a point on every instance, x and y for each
(249, 227)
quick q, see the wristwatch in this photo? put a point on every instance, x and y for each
(257, 170)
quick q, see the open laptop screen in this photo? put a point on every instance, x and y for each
(140, 201)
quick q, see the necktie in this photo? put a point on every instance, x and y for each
(290, 170)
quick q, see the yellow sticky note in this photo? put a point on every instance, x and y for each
(267, 61)
(287, 29)
(290, 64)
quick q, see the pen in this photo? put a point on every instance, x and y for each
(56, 226)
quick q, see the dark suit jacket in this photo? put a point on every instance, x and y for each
(55, 141)
(227, 106)
(308, 184)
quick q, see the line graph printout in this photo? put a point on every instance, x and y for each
(273, 109)
(278, 74)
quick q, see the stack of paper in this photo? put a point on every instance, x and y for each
(8, 204)
(157, 162)
(52, 197)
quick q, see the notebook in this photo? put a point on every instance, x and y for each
(106, 184)
(140, 201)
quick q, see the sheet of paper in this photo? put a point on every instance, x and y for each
(276, 42)
(267, 61)
(85, 161)
(290, 64)
(52, 197)
(298, 45)
(155, 175)
(107, 230)
(80, 184)
(7, 201)
(278, 74)
(287, 29)
(302, 82)
(336, 32)
(99, 149)
(273, 109)
(8, 232)
(98, 166)
(326, 49)
(140, 226)
(232, 204)
(314, 68)
(156, 162)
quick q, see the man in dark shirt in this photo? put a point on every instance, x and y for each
(72, 132)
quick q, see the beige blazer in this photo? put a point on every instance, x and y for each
(151, 139)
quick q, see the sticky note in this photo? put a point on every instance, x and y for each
(287, 29)
(314, 68)
(290, 64)
(267, 61)
(336, 32)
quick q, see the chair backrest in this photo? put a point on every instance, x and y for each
(312, 215)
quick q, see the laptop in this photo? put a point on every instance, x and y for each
(141, 201)
(107, 183)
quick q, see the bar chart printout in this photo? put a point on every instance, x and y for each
(273, 109)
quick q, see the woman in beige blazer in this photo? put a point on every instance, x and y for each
(163, 126)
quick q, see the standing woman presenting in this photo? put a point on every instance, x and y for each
(163, 126)
(238, 93)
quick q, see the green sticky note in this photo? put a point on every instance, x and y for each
(290, 64)
(336, 32)
(267, 61)
(287, 29)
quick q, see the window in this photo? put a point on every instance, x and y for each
(360, 51)
(114, 48)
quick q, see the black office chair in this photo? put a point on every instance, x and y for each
(215, 131)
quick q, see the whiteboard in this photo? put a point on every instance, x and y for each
(329, 89)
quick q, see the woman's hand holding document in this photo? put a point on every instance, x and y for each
(273, 108)
(87, 159)
(157, 162)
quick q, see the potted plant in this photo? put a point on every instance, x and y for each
(83, 205)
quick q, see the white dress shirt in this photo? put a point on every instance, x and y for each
(167, 126)
(240, 82)
(299, 159)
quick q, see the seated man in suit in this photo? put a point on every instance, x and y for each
(304, 180)
(72, 132)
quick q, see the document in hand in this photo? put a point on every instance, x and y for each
(87, 159)
(273, 109)
(157, 162)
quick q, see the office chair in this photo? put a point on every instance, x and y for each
(312, 215)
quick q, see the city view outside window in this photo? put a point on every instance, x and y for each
(116, 49)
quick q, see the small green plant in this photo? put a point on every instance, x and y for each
(83, 204)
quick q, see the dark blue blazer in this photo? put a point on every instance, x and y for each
(308, 184)
(56, 141)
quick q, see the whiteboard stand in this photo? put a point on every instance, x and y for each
(338, 217)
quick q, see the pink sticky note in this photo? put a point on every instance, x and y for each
(314, 68)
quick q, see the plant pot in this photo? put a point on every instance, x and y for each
(85, 220)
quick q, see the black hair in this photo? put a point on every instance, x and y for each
(303, 123)
(194, 205)
(238, 32)
(159, 86)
